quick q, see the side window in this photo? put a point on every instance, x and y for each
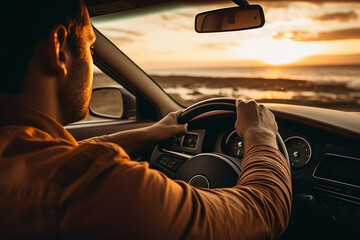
(110, 100)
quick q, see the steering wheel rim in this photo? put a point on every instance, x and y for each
(206, 170)
(228, 104)
(208, 105)
(203, 170)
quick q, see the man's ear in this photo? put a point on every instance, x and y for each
(58, 55)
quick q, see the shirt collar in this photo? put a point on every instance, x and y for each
(12, 113)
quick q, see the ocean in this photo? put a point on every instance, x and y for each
(336, 87)
(347, 74)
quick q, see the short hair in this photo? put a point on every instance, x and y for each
(26, 22)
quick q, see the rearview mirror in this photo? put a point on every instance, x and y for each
(230, 19)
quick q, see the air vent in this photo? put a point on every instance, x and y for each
(190, 140)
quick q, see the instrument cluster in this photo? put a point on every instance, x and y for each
(299, 148)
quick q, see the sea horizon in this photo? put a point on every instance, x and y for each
(349, 73)
(330, 86)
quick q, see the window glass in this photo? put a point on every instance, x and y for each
(307, 53)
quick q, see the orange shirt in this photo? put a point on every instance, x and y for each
(50, 185)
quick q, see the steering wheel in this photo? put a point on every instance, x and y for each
(213, 170)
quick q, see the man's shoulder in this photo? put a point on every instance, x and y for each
(104, 150)
(21, 138)
(46, 157)
(87, 160)
(39, 173)
(31, 137)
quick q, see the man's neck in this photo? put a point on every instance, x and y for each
(41, 95)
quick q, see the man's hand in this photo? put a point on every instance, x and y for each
(256, 124)
(132, 140)
(167, 127)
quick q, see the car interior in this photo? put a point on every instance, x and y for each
(322, 145)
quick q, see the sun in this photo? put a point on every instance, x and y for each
(277, 51)
(281, 52)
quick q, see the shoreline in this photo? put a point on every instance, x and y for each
(278, 84)
(188, 90)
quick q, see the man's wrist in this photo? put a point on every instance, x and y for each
(145, 135)
(254, 137)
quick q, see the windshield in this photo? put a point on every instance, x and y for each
(307, 53)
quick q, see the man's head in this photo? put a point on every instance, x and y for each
(58, 35)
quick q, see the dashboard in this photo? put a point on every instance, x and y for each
(324, 154)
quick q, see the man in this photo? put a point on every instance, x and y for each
(53, 187)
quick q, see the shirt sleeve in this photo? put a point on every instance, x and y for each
(98, 139)
(127, 199)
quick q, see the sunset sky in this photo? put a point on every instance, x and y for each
(295, 33)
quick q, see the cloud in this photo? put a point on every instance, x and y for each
(343, 34)
(183, 26)
(217, 46)
(339, 16)
(178, 21)
(275, 4)
(122, 37)
(117, 31)
(342, 59)
(178, 16)
(168, 18)
(120, 41)
(321, 2)
(262, 1)
(186, 14)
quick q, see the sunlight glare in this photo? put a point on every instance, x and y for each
(277, 51)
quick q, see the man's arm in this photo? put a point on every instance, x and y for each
(129, 200)
(135, 139)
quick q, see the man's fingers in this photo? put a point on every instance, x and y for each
(245, 106)
(240, 105)
(252, 103)
(240, 102)
(177, 114)
(183, 128)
